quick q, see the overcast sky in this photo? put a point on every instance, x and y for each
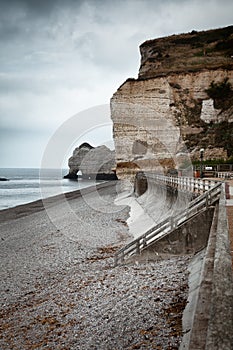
(60, 57)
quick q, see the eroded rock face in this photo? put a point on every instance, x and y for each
(94, 163)
(163, 119)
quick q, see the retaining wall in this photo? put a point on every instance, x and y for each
(189, 238)
(208, 316)
(161, 201)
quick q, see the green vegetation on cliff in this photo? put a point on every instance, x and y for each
(213, 135)
(189, 52)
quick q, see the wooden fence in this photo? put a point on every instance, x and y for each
(189, 184)
(210, 193)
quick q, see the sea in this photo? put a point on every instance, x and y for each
(25, 185)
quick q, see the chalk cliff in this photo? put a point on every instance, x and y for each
(181, 102)
(94, 163)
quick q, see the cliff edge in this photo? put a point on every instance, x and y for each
(191, 52)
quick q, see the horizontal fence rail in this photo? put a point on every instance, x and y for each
(210, 194)
(194, 185)
(225, 175)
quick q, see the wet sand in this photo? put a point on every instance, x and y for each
(36, 206)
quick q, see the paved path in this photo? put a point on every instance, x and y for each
(230, 216)
(230, 224)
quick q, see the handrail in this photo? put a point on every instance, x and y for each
(168, 225)
(190, 184)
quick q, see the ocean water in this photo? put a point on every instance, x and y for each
(27, 185)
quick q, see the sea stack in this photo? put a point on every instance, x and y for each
(93, 162)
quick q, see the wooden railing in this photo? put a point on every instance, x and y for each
(225, 175)
(194, 185)
(207, 198)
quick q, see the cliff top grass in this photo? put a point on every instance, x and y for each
(189, 52)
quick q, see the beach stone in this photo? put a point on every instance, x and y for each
(59, 293)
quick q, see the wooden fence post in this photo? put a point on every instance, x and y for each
(209, 184)
(144, 243)
(198, 186)
(207, 200)
(203, 186)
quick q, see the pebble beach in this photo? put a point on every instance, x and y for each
(60, 289)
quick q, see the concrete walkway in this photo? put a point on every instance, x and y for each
(229, 205)
(230, 224)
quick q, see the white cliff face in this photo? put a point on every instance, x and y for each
(162, 119)
(215, 115)
(208, 112)
(153, 118)
(141, 121)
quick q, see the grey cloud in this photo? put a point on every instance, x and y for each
(20, 84)
(30, 6)
(59, 56)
